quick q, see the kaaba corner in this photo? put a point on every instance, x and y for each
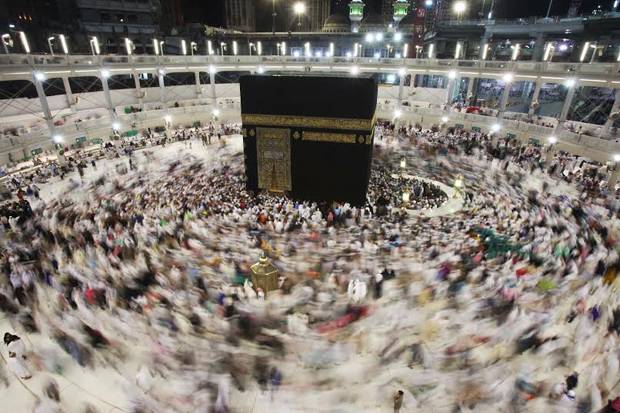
(311, 137)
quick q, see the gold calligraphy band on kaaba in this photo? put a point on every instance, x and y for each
(330, 137)
(273, 133)
(308, 122)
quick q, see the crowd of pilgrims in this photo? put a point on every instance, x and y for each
(507, 305)
(388, 184)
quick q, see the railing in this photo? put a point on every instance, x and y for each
(71, 128)
(598, 149)
(15, 64)
(590, 146)
(531, 20)
(115, 5)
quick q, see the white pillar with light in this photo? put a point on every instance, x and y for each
(507, 78)
(213, 96)
(138, 88)
(534, 104)
(614, 115)
(162, 85)
(571, 84)
(104, 75)
(38, 78)
(69, 94)
(402, 73)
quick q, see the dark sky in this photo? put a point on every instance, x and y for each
(211, 12)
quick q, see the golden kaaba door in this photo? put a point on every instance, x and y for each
(273, 151)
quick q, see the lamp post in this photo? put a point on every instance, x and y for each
(549, 9)
(458, 185)
(459, 8)
(63, 43)
(299, 8)
(550, 149)
(94, 45)
(6, 42)
(24, 40)
(128, 46)
(49, 43)
(273, 16)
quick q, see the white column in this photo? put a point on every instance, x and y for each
(470, 86)
(198, 86)
(108, 98)
(470, 90)
(68, 94)
(412, 83)
(539, 48)
(569, 99)
(550, 154)
(504, 99)
(138, 88)
(450, 91)
(614, 108)
(483, 40)
(401, 89)
(212, 95)
(162, 86)
(45, 107)
(613, 177)
(537, 88)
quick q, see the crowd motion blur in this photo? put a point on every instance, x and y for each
(134, 259)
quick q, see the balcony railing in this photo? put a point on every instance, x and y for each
(124, 5)
(12, 63)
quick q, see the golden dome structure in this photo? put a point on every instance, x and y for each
(264, 275)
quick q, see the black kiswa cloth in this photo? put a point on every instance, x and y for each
(323, 97)
(329, 123)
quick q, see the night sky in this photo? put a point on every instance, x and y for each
(211, 12)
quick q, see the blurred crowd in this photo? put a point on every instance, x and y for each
(507, 305)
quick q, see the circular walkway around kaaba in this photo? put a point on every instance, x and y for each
(452, 205)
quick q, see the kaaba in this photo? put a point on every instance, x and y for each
(311, 137)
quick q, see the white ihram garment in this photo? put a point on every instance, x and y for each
(16, 361)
